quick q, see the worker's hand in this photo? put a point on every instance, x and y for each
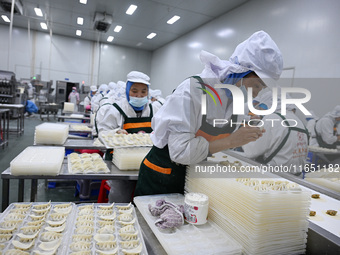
(245, 135)
(122, 131)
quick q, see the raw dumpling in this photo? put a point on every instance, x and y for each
(22, 245)
(135, 251)
(104, 237)
(80, 246)
(50, 236)
(106, 246)
(81, 238)
(51, 245)
(128, 236)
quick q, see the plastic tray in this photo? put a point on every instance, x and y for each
(106, 137)
(188, 239)
(129, 158)
(51, 133)
(93, 210)
(30, 216)
(88, 171)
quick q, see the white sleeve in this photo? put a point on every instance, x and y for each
(108, 118)
(325, 128)
(259, 147)
(86, 101)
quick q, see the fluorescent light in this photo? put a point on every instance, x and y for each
(38, 12)
(117, 29)
(5, 18)
(78, 32)
(43, 25)
(131, 9)
(173, 19)
(80, 21)
(152, 35)
(110, 38)
(83, 1)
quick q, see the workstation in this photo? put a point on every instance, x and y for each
(169, 127)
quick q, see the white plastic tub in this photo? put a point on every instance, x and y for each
(36, 160)
(51, 133)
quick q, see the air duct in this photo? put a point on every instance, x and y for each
(102, 22)
(7, 4)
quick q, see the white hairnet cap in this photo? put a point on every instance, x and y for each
(260, 54)
(112, 85)
(121, 84)
(139, 77)
(155, 93)
(93, 88)
(103, 87)
(336, 112)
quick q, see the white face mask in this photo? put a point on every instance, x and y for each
(138, 101)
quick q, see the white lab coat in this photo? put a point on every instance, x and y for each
(325, 128)
(109, 118)
(295, 150)
(178, 120)
(95, 102)
(87, 100)
(74, 98)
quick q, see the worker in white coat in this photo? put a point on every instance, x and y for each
(325, 129)
(87, 99)
(285, 142)
(74, 98)
(156, 98)
(102, 90)
(184, 133)
(311, 121)
(132, 114)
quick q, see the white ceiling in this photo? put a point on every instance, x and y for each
(150, 16)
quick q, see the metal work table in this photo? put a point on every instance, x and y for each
(322, 154)
(82, 144)
(4, 127)
(115, 174)
(63, 118)
(21, 118)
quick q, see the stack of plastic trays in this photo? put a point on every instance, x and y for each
(129, 158)
(35, 160)
(50, 133)
(262, 220)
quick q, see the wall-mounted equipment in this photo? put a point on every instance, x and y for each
(102, 22)
(6, 5)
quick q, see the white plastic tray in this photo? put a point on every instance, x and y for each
(188, 239)
(108, 138)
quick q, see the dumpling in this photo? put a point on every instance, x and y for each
(84, 230)
(85, 218)
(106, 246)
(30, 230)
(10, 224)
(51, 245)
(14, 216)
(108, 229)
(125, 217)
(103, 223)
(106, 207)
(16, 252)
(26, 238)
(128, 236)
(58, 216)
(5, 237)
(135, 251)
(22, 245)
(107, 217)
(42, 206)
(129, 244)
(81, 238)
(84, 224)
(127, 229)
(80, 246)
(57, 229)
(104, 237)
(50, 236)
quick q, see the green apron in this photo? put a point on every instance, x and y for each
(132, 125)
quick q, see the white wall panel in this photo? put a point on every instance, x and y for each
(306, 32)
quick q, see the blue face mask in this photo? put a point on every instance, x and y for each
(73, 90)
(138, 101)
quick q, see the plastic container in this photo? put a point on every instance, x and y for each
(196, 206)
(68, 107)
(35, 160)
(50, 133)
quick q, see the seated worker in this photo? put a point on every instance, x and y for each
(183, 128)
(132, 114)
(279, 145)
(87, 99)
(325, 129)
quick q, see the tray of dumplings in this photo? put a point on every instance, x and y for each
(86, 163)
(113, 140)
(106, 229)
(35, 228)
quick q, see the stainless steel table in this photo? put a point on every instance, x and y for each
(4, 127)
(81, 143)
(21, 118)
(115, 174)
(322, 154)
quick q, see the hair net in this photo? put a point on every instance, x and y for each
(74, 88)
(112, 85)
(93, 88)
(335, 113)
(138, 77)
(260, 54)
(103, 88)
(155, 93)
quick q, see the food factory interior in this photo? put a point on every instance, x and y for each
(169, 127)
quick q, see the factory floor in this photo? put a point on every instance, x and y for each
(62, 192)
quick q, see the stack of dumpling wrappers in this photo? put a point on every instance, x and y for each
(266, 216)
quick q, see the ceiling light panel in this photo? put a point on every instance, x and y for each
(117, 29)
(131, 9)
(5, 18)
(173, 19)
(151, 35)
(78, 32)
(83, 1)
(38, 12)
(110, 38)
(80, 21)
(43, 25)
